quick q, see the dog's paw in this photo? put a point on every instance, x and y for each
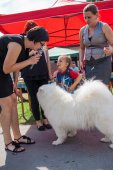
(111, 146)
(105, 139)
(57, 142)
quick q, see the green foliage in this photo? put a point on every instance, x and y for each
(27, 113)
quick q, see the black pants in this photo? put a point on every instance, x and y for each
(33, 86)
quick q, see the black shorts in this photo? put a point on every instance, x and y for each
(6, 86)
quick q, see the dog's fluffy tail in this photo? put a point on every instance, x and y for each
(94, 89)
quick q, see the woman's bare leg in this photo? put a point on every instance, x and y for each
(5, 116)
(15, 122)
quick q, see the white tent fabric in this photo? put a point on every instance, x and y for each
(62, 22)
(17, 6)
(55, 52)
(67, 2)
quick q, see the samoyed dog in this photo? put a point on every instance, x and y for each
(90, 106)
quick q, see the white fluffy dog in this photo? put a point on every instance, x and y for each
(90, 106)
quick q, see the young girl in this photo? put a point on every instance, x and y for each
(66, 77)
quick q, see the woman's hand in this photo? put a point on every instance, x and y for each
(81, 66)
(51, 76)
(18, 93)
(34, 59)
(32, 53)
(108, 50)
(14, 87)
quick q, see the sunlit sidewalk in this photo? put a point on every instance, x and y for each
(82, 152)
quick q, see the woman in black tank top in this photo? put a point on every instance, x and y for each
(12, 59)
(34, 77)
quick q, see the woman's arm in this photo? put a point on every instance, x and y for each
(15, 77)
(12, 55)
(108, 33)
(109, 36)
(15, 81)
(81, 51)
(48, 62)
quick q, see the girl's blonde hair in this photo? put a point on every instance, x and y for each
(67, 58)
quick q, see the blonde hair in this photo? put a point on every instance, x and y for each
(67, 58)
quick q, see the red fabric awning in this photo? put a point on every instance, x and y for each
(63, 23)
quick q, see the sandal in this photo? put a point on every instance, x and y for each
(41, 128)
(24, 140)
(48, 126)
(16, 147)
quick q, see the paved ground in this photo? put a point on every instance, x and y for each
(83, 152)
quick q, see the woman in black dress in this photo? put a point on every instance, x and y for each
(12, 59)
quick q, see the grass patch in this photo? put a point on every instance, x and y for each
(27, 113)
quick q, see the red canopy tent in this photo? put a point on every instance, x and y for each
(63, 22)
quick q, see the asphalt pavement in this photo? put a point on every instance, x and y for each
(82, 152)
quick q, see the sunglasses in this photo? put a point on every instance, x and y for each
(42, 44)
